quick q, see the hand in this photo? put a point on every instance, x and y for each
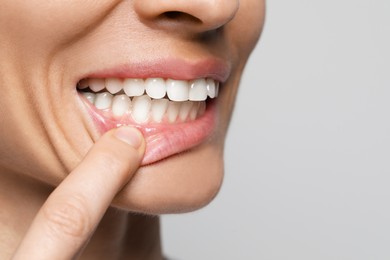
(69, 216)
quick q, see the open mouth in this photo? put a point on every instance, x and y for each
(173, 115)
(173, 102)
(149, 101)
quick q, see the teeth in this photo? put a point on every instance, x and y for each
(103, 100)
(150, 100)
(155, 88)
(198, 90)
(120, 105)
(83, 84)
(177, 90)
(141, 108)
(89, 96)
(217, 89)
(144, 108)
(96, 85)
(134, 87)
(159, 107)
(202, 108)
(210, 86)
(194, 110)
(173, 111)
(185, 109)
(114, 85)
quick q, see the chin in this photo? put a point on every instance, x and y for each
(181, 183)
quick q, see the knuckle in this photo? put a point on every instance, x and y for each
(69, 218)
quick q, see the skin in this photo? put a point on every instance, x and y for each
(61, 183)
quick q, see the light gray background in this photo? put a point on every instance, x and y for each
(308, 151)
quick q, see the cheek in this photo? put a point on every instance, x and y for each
(246, 27)
(242, 34)
(46, 24)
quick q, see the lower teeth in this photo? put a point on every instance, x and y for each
(143, 109)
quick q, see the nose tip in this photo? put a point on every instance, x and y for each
(200, 15)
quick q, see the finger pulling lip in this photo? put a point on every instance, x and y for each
(164, 139)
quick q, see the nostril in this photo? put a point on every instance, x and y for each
(172, 14)
(180, 17)
(186, 16)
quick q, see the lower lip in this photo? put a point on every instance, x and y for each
(163, 140)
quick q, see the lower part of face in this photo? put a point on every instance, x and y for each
(69, 72)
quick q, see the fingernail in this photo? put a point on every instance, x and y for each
(129, 135)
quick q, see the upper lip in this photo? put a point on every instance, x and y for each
(173, 68)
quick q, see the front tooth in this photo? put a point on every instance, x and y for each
(134, 87)
(159, 107)
(185, 109)
(103, 100)
(89, 96)
(114, 85)
(198, 90)
(141, 108)
(120, 105)
(173, 111)
(217, 89)
(210, 88)
(155, 87)
(177, 90)
(96, 84)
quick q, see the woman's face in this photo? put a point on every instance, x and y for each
(71, 70)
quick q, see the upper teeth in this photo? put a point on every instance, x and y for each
(150, 100)
(156, 88)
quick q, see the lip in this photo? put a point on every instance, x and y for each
(164, 140)
(216, 69)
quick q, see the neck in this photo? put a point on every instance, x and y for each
(120, 235)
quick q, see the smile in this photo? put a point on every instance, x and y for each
(173, 103)
(151, 100)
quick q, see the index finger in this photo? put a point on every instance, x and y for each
(72, 212)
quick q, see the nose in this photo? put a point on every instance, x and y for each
(196, 15)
